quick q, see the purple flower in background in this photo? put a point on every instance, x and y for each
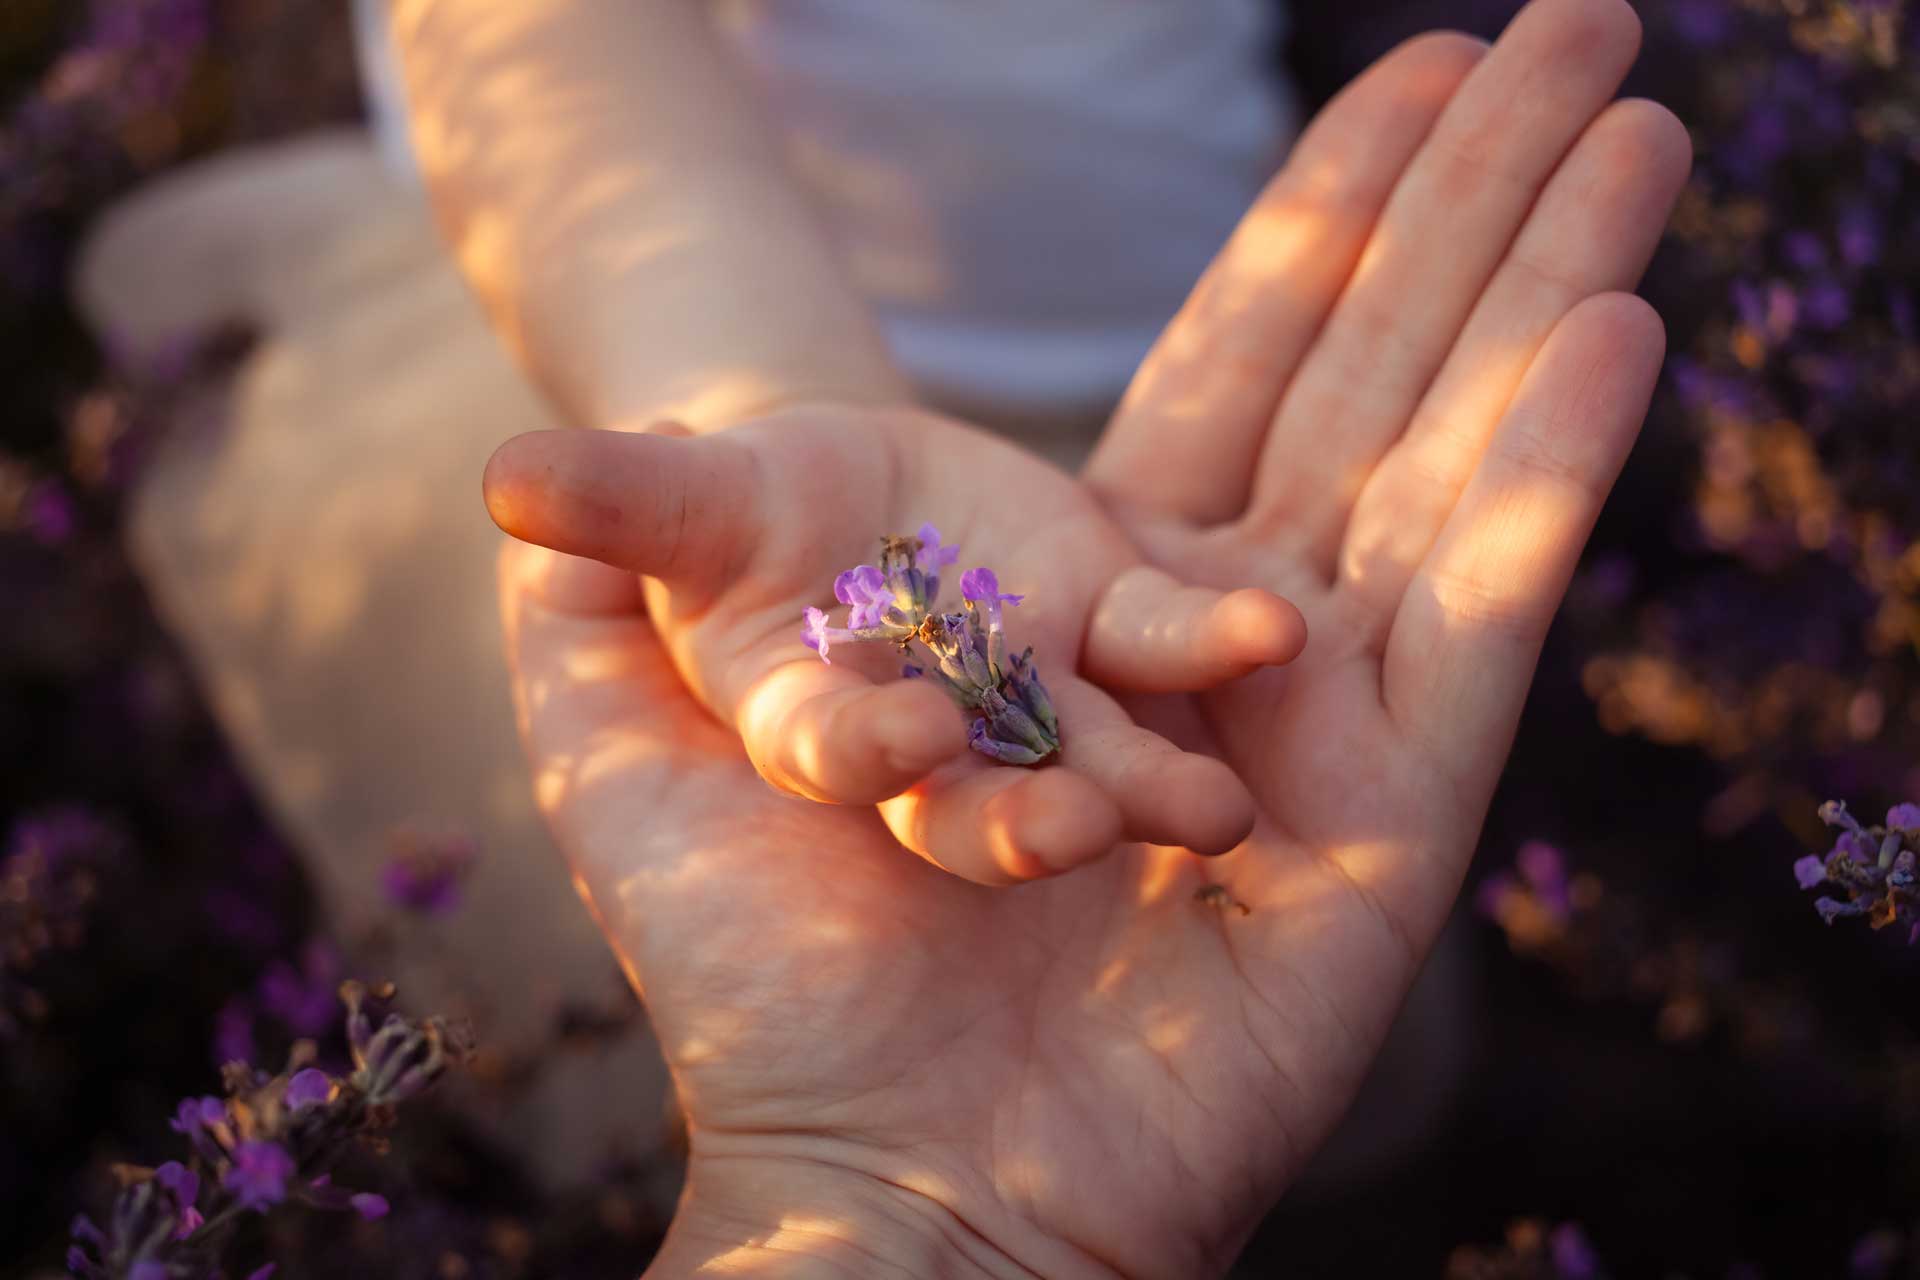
(50, 515)
(1491, 893)
(370, 1206)
(425, 871)
(263, 1273)
(1700, 23)
(1859, 236)
(1573, 1256)
(1544, 868)
(1902, 312)
(1876, 866)
(1831, 909)
(195, 1115)
(1826, 305)
(257, 1179)
(1762, 140)
(1769, 312)
(1805, 250)
(308, 1088)
(233, 1032)
(1857, 845)
(184, 1185)
(305, 999)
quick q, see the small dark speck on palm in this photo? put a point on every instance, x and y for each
(1216, 895)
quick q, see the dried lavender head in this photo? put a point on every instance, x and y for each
(398, 1061)
(1874, 865)
(271, 1142)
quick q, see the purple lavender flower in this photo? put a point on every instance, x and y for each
(1860, 236)
(1011, 715)
(196, 1119)
(980, 588)
(398, 1061)
(1856, 845)
(1573, 1256)
(1832, 909)
(866, 589)
(425, 871)
(986, 744)
(304, 998)
(184, 1185)
(257, 1179)
(1874, 865)
(1544, 868)
(1805, 250)
(197, 1113)
(369, 1206)
(1810, 871)
(818, 636)
(233, 1032)
(150, 1217)
(1700, 23)
(51, 516)
(1827, 304)
(309, 1088)
(934, 557)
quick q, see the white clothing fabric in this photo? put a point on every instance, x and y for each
(1024, 189)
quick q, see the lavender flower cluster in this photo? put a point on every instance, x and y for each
(272, 1140)
(1531, 1251)
(1012, 716)
(102, 108)
(1874, 865)
(1777, 628)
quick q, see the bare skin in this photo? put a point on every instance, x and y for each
(1397, 400)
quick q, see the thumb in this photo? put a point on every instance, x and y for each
(685, 510)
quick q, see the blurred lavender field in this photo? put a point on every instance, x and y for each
(1676, 1067)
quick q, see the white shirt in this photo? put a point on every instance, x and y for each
(1024, 189)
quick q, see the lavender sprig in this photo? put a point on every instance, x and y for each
(966, 652)
(1874, 865)
(272, 1140)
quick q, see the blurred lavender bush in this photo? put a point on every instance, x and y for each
(1673, 1051)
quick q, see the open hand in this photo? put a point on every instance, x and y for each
(1398, 398)
(741, 531)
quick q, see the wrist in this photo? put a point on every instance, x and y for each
(796, 1218)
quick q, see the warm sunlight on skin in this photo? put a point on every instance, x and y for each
(628, 224)
(1108, 1071)
(741, 531)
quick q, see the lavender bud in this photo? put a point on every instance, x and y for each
(1005, 752)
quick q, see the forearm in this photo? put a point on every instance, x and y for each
(624, 213)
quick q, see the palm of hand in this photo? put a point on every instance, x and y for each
(1099, 1063)
(822, 485)
(1002, 1052)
